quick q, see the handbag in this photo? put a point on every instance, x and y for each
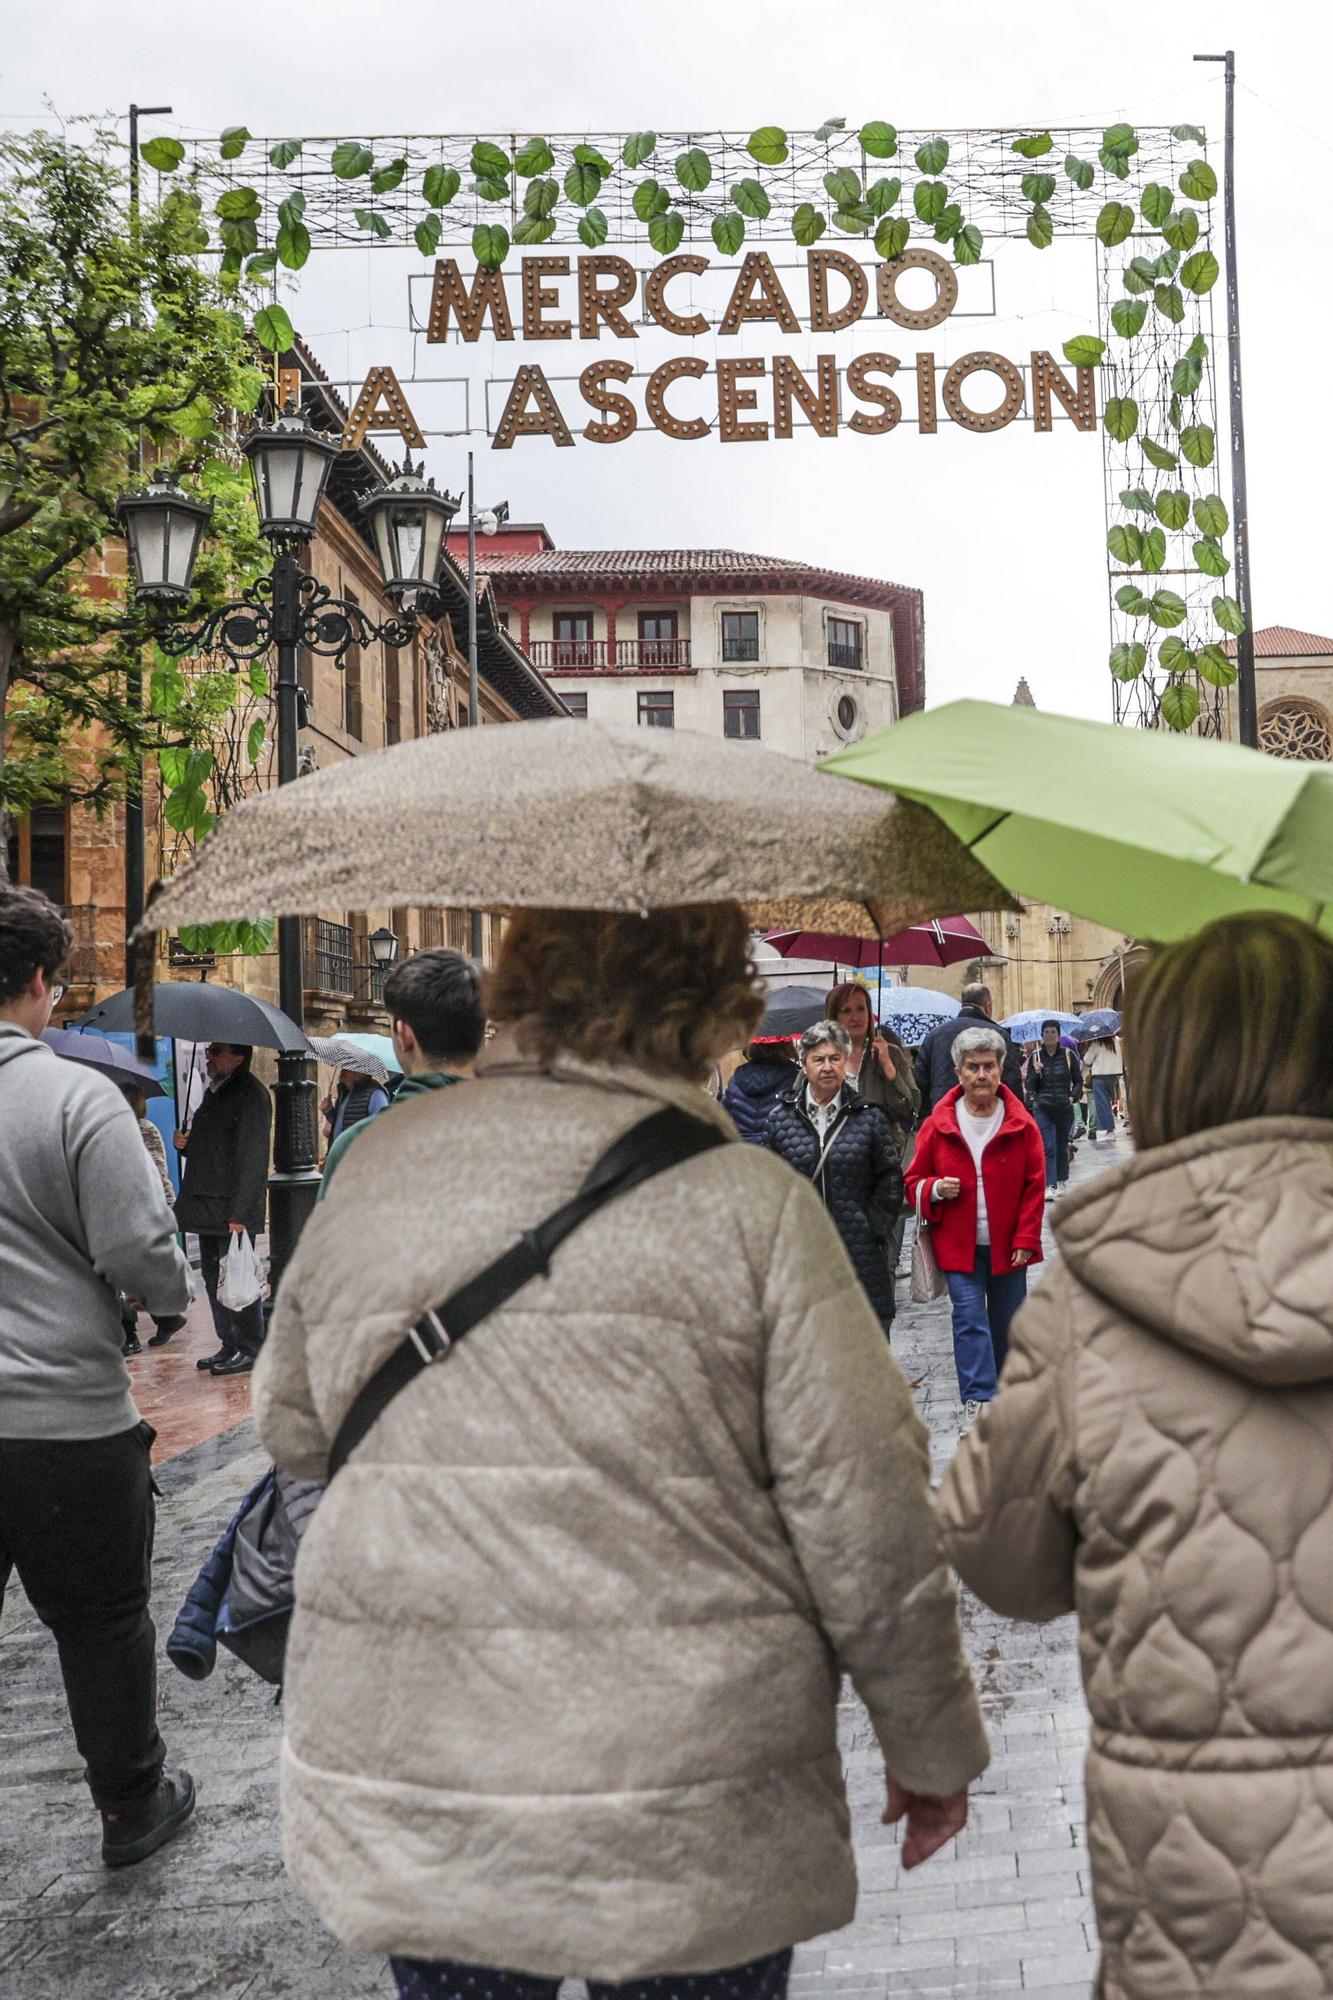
(928, 1281)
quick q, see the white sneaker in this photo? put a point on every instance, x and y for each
(1051, 1193)
(971, 1411)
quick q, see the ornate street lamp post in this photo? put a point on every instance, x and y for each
(282, 612)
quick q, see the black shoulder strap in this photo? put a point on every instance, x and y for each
(665, 1139)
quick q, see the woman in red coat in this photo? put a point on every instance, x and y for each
(981, 1165)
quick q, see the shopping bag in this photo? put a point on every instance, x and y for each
(928, 1281)
(241, 1280)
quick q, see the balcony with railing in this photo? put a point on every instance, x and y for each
(330, 957)
(369, 989)
(740, 646)
(599, 656)
(843, 655)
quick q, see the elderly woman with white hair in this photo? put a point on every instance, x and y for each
(978, 1177)
(837, 1139)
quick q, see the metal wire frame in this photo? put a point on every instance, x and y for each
(984, 175)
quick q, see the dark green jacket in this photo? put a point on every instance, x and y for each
(411, 1086)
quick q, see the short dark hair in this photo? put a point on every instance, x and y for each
(975, 994)
(34, 937)
(438, 994)
(1050, 1024)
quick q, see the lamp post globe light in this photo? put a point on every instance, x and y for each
(163, 527)
(285, 611)
(383, 947)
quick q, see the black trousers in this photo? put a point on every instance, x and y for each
(444, 1979)
(238, 1332)
(76, 1522)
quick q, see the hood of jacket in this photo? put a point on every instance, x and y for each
(16, 1042)
(945, 1113)
(1222, 1243)
(756, 1079)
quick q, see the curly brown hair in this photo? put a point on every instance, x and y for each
(671, 991)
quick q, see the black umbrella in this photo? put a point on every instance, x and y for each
(791, 1010)
(193, 1011)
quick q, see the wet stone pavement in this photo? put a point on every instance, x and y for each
(1006, 1910)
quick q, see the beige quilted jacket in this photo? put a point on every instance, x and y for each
(1160, 1458)
(565, 1660)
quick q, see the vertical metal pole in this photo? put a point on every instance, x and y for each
(134, 855)
(473, 700)
(294, 1182)
(1246, 697)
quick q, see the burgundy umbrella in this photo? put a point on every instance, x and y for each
(947, 941)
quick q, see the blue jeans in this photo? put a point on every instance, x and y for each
(1055, 1122)
(443, 1979)
(1103, 1088)
(984, 1302)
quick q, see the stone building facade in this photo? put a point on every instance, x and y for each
(799, 657)
(378, 697)
(1293, 675)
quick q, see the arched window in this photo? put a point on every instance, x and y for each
(1295, 726)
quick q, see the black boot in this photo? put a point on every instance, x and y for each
(131, 1344)
(165, 1329)
(133, 1832)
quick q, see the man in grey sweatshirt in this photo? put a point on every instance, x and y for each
(82, 1217)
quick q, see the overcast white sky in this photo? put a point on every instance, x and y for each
(1002, 533)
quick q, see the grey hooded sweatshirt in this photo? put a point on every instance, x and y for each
(82, 1216)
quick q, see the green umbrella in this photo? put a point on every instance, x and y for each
(1148, 832)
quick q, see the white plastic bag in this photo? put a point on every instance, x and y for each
(241, 1280)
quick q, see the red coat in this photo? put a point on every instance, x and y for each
(1014, 1165)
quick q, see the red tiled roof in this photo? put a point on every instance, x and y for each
(717, 565)
(1284, 642)
(716, 569)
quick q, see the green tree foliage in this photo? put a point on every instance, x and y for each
(115, 344)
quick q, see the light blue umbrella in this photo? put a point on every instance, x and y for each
(1027, 1027)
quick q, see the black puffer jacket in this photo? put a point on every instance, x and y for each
(1054, 1081)
(861, 1181)
(752, 1093)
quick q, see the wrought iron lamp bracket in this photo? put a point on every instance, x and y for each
(252, 623)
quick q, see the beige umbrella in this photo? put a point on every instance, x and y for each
(581, 815)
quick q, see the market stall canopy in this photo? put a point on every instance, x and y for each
(580, 815)
(190, 1010)
(1151, 833)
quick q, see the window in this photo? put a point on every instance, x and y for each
(846, 714)
(657, 711)
(844, 642)
(573, 639)
(659, 636)
(352, 720)
(577, 704)
(740, 712)
(393, 697)
(38, 848)
(740, 638)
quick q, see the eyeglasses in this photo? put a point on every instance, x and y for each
(217, 1049)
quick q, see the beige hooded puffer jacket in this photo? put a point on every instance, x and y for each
(563, 1674)
(1160, 1457)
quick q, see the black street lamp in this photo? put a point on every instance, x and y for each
(284, 611)
(383, 948)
